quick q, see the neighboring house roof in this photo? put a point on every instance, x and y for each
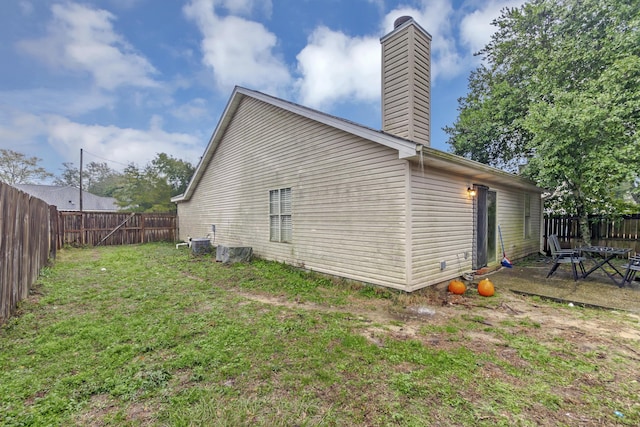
(67, 198)
(429, 157)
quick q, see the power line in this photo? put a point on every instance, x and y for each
(108, 160)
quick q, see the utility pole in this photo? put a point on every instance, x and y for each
(82, 237)
(81, 180)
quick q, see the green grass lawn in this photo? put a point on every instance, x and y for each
(153, 335)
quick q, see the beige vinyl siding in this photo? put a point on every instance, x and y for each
(348, 195)
(511, 218)
(422, 89)
(442, 226)
(406, 87)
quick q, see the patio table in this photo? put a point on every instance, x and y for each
(602, 256)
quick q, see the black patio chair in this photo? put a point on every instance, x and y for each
(631, 269)
(565, 256)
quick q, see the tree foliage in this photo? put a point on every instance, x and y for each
(16, 168)
(136, 189)
(143, 190)
(101, 179)
(559, 91)
(70, 175)
(97, 178)
(150, 189)
(176, 172)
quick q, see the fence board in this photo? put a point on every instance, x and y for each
(621, 232)
(106, 228)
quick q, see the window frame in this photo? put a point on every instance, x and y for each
(281, 215)
(527, 216)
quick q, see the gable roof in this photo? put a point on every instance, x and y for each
(67, 198)
(406, 149)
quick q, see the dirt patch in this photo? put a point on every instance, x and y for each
(100, 406)
(597, 290)
(404, 316)
(141, 414)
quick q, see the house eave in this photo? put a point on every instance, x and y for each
(178, 198)
(476, 172)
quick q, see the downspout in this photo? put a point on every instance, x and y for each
(408, 228)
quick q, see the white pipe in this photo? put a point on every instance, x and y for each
(187, 243)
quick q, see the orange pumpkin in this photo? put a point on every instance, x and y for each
(485, 288)
(457, 287)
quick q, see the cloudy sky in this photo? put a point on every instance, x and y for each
(126, 79)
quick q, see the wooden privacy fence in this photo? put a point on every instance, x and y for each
(28, 227)
(31, 231)
(622, 232)
(115, 228)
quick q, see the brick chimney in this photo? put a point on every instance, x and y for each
(406, 81)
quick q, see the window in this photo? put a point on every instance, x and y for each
(280, 228)
(527, 215)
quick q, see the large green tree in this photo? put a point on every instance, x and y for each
(559, 92)
(16, 168)
(150, 189)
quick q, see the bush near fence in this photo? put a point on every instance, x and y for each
(622, 232)
(28, 227)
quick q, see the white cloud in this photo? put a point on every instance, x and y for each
(334, 66)
(122, 145)
(435, 16)
(476, 28)
(83, 39)
(239, 51)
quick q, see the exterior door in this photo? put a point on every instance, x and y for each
(484, 227)
(480, 229)
(491, 226)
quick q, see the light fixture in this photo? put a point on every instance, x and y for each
(471, 192)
